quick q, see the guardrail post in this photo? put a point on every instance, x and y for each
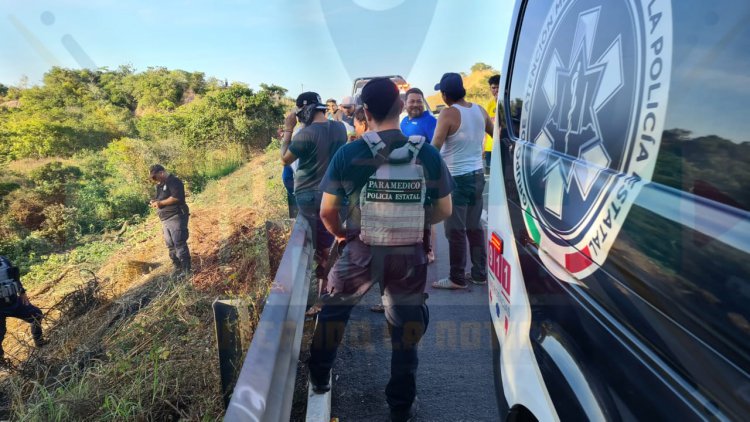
(232, 321)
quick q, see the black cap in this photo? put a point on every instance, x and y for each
(452, 84)
(307, 98)
(379, 95)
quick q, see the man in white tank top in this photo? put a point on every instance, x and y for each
(459, 136)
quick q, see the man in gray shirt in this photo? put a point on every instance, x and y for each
(313, 146)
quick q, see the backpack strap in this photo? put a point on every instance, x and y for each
(415, 145)
(377, 147)
(373, 141)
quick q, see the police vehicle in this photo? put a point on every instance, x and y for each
(618, 217)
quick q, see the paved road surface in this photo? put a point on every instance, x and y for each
(454, 381)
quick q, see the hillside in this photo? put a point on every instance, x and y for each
(131, 342)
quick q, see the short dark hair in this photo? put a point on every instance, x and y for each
(155, 168)
(381, 98)
(414, 91)
(359, 114)
(394, 111)
(458, 96)
(331, 100)
(494, 80)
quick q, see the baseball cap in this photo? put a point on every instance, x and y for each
(348, 100)
(307, 98)
(451, 84)
(379, 95)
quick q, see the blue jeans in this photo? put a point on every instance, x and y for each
(309, 208)
(287, 177)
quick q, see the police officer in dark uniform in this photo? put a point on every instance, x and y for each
(14, 303)
(174, 215)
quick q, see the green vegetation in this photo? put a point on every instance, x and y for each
(75, 151)
(139, 345)
(131, 343)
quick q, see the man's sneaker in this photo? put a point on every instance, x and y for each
(477, 280)
(319, 387)
(448, 284)
(407, 415)
(181, 274)
(379, 308)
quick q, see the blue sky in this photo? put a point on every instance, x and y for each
(319, 44)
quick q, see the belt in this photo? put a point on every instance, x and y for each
(471, 173)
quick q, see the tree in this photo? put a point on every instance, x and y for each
(275, 91)
(157, 84)
(118, 87)
(3, 90)
(480, 67)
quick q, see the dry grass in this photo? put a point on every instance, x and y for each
(128, 342)
(27, 165)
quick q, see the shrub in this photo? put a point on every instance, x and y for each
(26, 209)
(55, 172)
(126, 202)
(26, 251)
(54, 181)
(60, 225)
(6, 188)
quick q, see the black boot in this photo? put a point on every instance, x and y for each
(406, 415)
(186, 268)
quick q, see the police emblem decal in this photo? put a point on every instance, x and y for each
(591, 122)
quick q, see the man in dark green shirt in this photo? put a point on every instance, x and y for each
(174, 215)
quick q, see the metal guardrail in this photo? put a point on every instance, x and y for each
(265, 386)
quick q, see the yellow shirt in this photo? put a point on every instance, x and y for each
(491, 108)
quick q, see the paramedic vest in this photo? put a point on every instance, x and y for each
(392, 201)
(9, 288)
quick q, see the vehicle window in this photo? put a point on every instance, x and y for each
(705, 155)
(705, 148)
(533, 20)
(706, 141)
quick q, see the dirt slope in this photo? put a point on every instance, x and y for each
(136, 321)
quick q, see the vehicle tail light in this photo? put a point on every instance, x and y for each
(497, 243)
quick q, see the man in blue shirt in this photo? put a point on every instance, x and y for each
(418, 121)
(421, 122)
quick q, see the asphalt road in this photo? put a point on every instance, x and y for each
(455, 378)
